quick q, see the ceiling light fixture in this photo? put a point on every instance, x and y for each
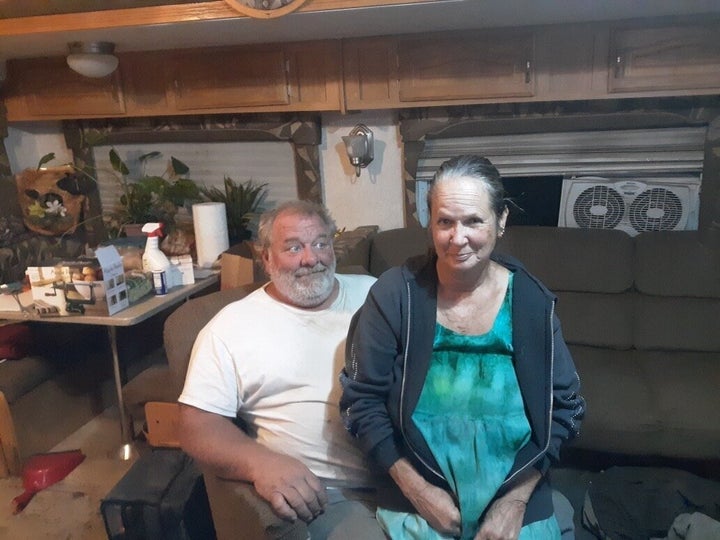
(359, 146)
(94, 59)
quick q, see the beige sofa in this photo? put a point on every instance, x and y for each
(640, 316)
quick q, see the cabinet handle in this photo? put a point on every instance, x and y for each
(527, 72)
(619, 66)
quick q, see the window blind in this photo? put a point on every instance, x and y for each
(602, 153)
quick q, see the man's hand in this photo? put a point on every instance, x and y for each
(288, 485)
(434, 504)
(291, 488)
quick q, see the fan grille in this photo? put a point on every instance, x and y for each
(656, 209)
(598, 207)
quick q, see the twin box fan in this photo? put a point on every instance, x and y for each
(630, 205)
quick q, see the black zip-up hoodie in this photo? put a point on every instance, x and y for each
(388, 354)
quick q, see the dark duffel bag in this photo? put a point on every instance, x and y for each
(161, 497)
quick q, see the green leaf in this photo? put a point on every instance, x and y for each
(117, 163)
(45, 159)
(149, 155)
(178, 167)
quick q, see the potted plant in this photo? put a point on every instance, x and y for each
(152, 198)
(242, 201)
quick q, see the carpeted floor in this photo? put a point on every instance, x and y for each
(70, 509)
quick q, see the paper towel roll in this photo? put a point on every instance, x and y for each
(211, 232)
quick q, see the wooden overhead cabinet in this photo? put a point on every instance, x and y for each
(314, 75)
(47, 88)
(370, 74)
(438, 68)
(466, 66)
(671, 57)
(230, 77)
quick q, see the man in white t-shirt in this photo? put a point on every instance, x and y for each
(272, 359)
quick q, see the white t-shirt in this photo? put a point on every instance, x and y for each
(277, 366)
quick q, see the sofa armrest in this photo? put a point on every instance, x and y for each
(239, 512)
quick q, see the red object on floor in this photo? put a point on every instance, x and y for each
(44, 470)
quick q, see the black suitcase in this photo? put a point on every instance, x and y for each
(161, 497)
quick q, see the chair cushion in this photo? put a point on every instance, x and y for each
(393, 247)
(183, 325)
(18, 377)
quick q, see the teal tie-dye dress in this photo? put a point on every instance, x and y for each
(472, 416)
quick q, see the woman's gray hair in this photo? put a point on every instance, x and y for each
(477, 168)
(296, 207)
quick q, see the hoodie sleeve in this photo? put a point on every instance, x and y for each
(372, 348)
(568, 405)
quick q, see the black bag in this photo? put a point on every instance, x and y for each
(161, 497)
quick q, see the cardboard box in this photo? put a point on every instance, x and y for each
(93, 286)
(184, 265)
(240, 265)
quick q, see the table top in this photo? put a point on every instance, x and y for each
(147, 307)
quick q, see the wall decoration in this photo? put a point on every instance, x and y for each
(51, 199)
(265, 9)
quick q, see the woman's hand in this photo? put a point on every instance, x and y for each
(503, 520)
(434, 504)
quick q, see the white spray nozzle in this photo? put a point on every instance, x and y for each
(151, 228)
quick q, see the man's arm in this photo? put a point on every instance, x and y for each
(288, 485)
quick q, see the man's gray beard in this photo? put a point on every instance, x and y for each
(310, 292)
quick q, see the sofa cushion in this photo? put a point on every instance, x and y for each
(685, 386)
(674, 323)
(566, 259)
(649, 403)
(619, 417)
(677, 263)
(598, 320)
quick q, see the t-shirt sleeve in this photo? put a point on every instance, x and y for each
(212, 383)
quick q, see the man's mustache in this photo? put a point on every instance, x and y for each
(319, 267)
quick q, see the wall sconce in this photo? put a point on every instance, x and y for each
(94, 59)
(359, 146)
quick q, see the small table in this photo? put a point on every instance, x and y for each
(147, 307)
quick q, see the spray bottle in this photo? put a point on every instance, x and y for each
(154, 260)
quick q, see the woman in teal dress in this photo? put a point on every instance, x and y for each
(458, 381)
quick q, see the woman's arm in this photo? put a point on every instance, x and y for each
(434, 504)
(568, 404)
(372, 347)
(505, 516)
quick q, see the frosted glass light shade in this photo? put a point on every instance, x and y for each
(94, 59)
(359, 147)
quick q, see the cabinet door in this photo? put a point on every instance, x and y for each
(466, 66)
(370, 73)
(145, 83)
(48, 88)
(230, 77)
(665, 58)
(314, 75)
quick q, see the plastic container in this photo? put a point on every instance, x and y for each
(153, 260)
